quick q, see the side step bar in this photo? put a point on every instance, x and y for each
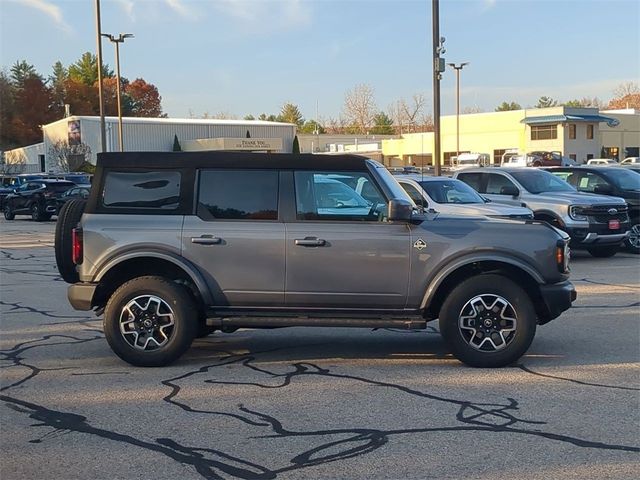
(266, 322)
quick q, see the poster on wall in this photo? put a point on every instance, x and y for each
(73, 128)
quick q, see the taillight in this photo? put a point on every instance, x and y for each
(76, 245)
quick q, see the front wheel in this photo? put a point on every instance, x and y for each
(37, 212)
(488, 321)
(150, 321)
(604, 252)
(632, 243)
(8, 212)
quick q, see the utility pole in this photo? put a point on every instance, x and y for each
(438, 68)
(458, 69)
(103, 134)
(117, 41)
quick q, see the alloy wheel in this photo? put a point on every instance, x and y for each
(634, 236)
(488, 322)
(147, 322)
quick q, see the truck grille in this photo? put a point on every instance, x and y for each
(601, 213)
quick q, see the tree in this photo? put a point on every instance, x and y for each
(267, 118)
(290, 113)
(7, 112)
(176, 144)
(311, 127)
(360, 108)
(584, 103)
(85, 70)
(33, 107)
(545, 102)
(22, 71)
(145, 99)
(249, 117)
(70, 158)
(624, 89)
(507, 106)
(296, 146)
(472, 109)
(382, 124)
(631, 100)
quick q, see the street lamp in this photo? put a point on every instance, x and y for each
(458, 68)
(117, 41)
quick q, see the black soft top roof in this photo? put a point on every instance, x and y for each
(224, 159)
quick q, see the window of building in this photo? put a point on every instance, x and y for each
(589, 132)
(142, 190)
(544, 132)
(238, 195)
(573, 157)
(572, 131)
(589, 156)
(342, 196)
(611, 152)
(497, 155)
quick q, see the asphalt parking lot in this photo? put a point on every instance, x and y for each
(314, 403)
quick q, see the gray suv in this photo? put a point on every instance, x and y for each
(171, 246)
(596, 223)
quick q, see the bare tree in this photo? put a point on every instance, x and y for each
(69, 158)
(360, 107)
(335, 126)
(13, 162)
(625, 88)
(472, 109)
(411, 110)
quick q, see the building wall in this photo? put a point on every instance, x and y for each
(323, 143)
(23, 160)
(581, 146)
(625, 136)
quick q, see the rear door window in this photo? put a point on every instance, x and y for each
(474, 180)
(142, 190)
(496, 182)
(238, 195)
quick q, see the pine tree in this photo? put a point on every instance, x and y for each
(296, 146)
(176, 144)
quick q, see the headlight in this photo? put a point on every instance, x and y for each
(576, 212)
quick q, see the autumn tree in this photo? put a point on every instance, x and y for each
(507, 106)
(290, 113)
(145, 99)
(7, 112)
(626, 95)
(360, 108)
(545, 102)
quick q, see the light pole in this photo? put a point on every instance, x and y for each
(99, 58)
(117, 41)
(458, 68)
(438, 68)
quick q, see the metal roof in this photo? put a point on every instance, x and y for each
(612, 122)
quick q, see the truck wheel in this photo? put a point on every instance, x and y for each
(150, 321)
(488, 321)
(8, 212)
(37, 212)
(632, 243)
(604, 252)
(70, 215)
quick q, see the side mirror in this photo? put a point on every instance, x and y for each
(603, 189)
(510, 190)
(399, 210)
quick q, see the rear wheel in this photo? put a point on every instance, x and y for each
(632, 243)
(150, 321)
(68, 218)
(37, 212)
(488, 321)
(8, 212)
(604, 252)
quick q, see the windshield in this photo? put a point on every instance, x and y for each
(624, 179)
(538, 181)
(451, 191)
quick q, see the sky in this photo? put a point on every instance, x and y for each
(250, 57)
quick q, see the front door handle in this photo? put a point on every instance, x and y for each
(206, 240)
(310, 242)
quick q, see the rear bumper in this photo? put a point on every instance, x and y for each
(557, 298)
(80, 295)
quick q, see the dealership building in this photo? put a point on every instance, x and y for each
(579, 133)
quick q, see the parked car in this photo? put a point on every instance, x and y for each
(470, 160)
(614, 181)
(601, 161)
(74, 193)
(451, 196)
(596, 223)
(631, 161)
(8, 183)
(173, 245)
(36, 198)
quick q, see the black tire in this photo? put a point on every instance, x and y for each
(175, 339)
(464, 300)
(632, 244)
(70, 215)
(37, 212)
(204, 330)
(604, 252)
(8, 212)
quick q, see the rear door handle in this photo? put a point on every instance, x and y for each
(310, 242)
(206, 240)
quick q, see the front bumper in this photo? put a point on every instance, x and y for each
(80, 295)
(596, 236)
(556, 298)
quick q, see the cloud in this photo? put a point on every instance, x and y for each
(127, 6)
(49, 9)
(181, 9)
(266, 15)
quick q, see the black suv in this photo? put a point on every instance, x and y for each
(36, 198)
(615, 181)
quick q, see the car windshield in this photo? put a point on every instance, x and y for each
(624, 179)
(451, 191)
(538, 181)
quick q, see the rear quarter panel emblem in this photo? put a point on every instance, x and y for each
(420, 244)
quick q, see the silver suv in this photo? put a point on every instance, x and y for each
(171, 246)
(596, 223)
